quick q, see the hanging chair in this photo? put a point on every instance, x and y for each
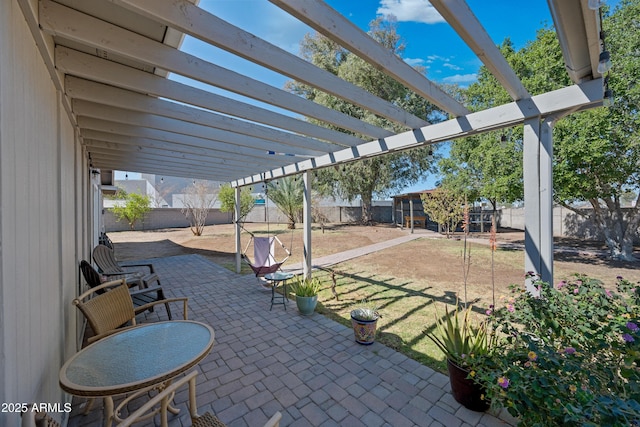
(264, 261)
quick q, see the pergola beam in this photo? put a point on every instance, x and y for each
(190, 19)
(322, 18)
(225, 150)
(134, 118)
(458, 14)
(178, 149)
(514, 113)
(81, 89)
(96, 145)
(101, 70)
(61, 21)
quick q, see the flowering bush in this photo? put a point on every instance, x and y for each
(567, 357)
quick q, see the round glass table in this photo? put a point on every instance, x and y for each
(136, 359)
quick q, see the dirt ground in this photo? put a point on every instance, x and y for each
(439, 262)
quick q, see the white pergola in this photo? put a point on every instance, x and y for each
(110, 59)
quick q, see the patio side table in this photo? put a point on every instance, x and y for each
(275, 279)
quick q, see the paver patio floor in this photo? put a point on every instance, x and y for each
(308, 368)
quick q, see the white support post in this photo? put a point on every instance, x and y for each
(306, 214)
(237, 230)
(411, 212)
(538, 199)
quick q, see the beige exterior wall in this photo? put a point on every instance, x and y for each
(43, 194)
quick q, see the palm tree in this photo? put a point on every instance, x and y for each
(286, 193)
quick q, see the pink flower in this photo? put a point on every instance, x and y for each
(503, 382)
(576, 290)
(488, 312)
(561, 284)
(569, 350)
(606, 291)
(511, 308)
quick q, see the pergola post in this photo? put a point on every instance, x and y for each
(411, 212)
(538, 198)
(306, 236)
(237, 229)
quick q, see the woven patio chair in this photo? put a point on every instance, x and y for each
(108, 312)
(164, 398)
(145, 294)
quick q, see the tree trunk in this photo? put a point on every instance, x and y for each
(366, 208)
(618, 236)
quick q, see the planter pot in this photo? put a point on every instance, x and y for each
(364, 330)
(306, 305)
(464, 390)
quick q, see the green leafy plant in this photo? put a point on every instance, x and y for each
(460, 337)
(306, 286)
(227, 198)
(134, 208)
(572, 354)
(365, 310)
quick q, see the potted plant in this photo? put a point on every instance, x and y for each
(462, 340)
(306, 291)
(364, 320)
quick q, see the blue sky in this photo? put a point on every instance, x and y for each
(429, 40)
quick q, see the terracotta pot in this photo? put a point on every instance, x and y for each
(464, 390)
(364, 330)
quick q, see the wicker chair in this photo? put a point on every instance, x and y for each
(108, 311)
(37, 419)
(144, 295)
(164, 398)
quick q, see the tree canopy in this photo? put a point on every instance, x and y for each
(380, 175)
(134, 208)
(227, 198)
(596, 152)
(287, 194)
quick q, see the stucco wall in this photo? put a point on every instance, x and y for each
(39, 236)
(565, 223)
(159, 218)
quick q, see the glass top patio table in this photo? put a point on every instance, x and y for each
(136, 358)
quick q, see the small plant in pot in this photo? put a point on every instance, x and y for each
(364, 320)
(463, 341)
(306, 290)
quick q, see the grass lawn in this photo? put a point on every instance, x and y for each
(408, 296)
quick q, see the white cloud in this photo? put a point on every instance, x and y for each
(451, 66)
(461, 78)
(410, 10)
(415, 61)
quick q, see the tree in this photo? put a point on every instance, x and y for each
(444, 207)
(135, 207)
(486, 166)
(198, 200)
(596, 152)
(287, 194)
(227, 198)
(381, 175)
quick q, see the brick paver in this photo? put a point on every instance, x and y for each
(308, 368)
